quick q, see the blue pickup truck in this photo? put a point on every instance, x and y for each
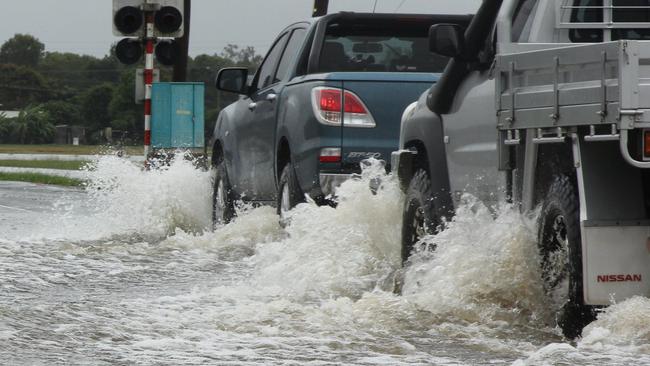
(329, 93)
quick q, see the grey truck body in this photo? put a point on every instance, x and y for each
(564, 86)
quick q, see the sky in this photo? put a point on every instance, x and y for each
(84, 26)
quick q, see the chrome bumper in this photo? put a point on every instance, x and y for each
(330, 181)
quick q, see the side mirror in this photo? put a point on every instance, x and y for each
(233, 79)
(447, 40)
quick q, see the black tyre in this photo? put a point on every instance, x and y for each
(223, 206)
(560, 248)
(419, 218)
(289, 192)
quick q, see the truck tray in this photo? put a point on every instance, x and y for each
(573, 85)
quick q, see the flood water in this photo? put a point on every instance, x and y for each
(129, 272)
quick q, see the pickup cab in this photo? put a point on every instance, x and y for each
(545, 103)
(329, 94)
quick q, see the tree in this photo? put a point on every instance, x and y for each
(245, 57)
(32, 126)
(204, 68)
(63, 113)
(125, 114)
(21, 86)
(94, 106)
(22, 49)
(95, 92)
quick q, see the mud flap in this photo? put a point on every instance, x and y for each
(617, 262)
(402, 165)
(615, 232)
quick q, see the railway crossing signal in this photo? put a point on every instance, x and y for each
(129, 51)
(129, 18)
(145, 23)
(167, 52)
(169, 19)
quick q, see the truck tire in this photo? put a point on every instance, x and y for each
(223, 203)
(289, 192)
(419, 218)
(560, 249)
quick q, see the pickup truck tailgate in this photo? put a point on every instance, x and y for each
(386, 95)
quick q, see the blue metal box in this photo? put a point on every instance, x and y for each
(177, 117)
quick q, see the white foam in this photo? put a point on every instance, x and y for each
(484, 269)
(626, 324)
(251, 292)
(123, 199)
(337, 252)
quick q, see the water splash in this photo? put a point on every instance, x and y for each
(484, 268)
(622, 326)
(319, 290)
(337, 252)
(123, 199)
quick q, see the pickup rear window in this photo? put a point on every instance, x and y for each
(395, 46)
(623, 11)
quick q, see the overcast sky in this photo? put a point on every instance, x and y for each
(84, 26)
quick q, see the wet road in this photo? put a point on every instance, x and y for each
(25, 208)
(128, 272)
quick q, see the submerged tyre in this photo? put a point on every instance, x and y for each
(289, 192)
(560, 249)
(419, 218)
(223, 205)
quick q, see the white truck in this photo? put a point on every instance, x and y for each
(545, 103)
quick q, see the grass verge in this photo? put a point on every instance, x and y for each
(41, 179)
(63, 149)
(44, 164)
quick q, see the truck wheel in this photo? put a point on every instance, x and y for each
(419, 217)
(289, 192)
(223, 206)
(560, 250)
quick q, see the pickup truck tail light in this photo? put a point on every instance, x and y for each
(330, 155)
(326, 103)
(646, 145)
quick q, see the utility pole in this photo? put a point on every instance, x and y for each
(180, 66)
(320, 8)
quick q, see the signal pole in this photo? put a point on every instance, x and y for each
(180, 66)
(148, 78)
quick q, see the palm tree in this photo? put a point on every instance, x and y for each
(18, 128)
(32, 126)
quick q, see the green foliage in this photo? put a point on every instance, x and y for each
(244, 57)
(90, 91)
(41, 179)
(22, 49)
(94, 104)
(77, 72)
(63, 113)
(126, 115)
(45, 164)
(32, 126)
(205, 68)
(21, 86)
